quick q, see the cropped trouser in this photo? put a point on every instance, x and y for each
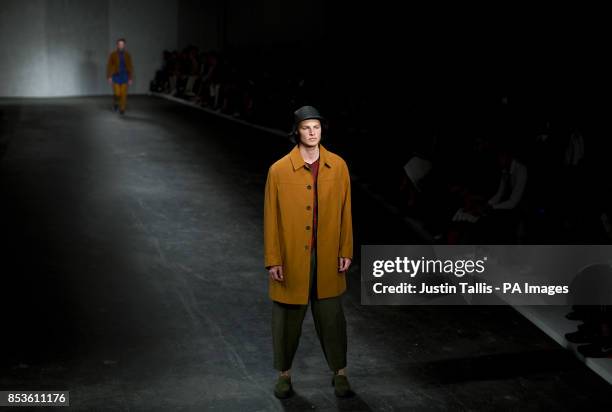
(329, 321)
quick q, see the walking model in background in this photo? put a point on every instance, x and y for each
(119, 71)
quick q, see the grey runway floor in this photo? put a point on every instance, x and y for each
(132, 276)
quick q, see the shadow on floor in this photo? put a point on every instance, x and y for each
(300, 403)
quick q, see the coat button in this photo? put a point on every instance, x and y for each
(307, 227)
(308, 187)
(308, 207)
(305, 247)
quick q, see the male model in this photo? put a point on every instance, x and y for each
(119, 72)
(308, 239)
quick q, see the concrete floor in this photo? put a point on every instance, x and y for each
(132, 276)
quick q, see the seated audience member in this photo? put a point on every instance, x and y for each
(503, 215)
(592, 285)
(512, 183)
(192, 65)
(416, 170)
(160, 83)
(173, 73)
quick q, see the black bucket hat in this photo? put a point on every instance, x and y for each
(305, 113)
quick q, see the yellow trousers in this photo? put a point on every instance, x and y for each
(120, 95)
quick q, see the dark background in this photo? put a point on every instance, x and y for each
(119, 233)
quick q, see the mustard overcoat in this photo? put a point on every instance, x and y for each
(288, 225)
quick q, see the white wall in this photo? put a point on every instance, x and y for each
(60, 47)
(23, 48)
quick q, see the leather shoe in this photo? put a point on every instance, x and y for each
(283, 388)
(342, 388)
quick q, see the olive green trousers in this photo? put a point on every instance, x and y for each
(329, 321)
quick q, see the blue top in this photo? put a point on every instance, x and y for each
(121, 76)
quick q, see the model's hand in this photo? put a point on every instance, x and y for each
(276, 273)
(130, 82)
(110, 80)
(343, 264)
